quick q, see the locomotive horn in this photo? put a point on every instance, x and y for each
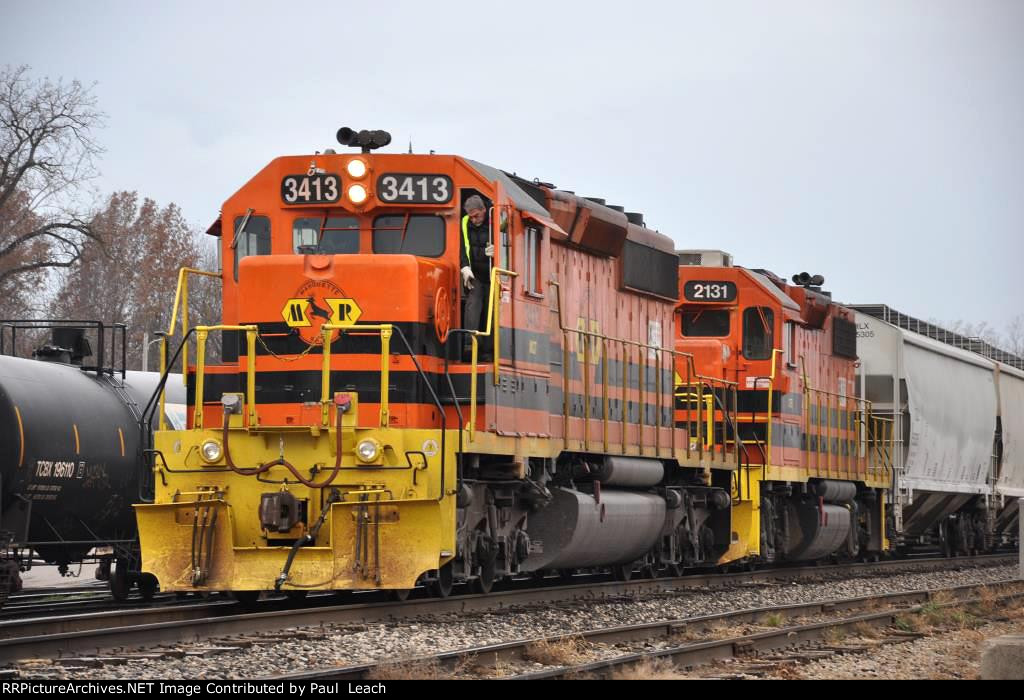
(379, 138)
(366, 140)
(345, 136)
(818, 280)
(802, 279)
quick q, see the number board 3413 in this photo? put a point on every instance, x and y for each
(709, 290)
(414, 188)
(318, 188)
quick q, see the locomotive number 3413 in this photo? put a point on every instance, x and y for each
(416, 188)
(307, 189)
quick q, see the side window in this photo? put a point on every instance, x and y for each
(421, 235)
(340, 235)
(758, 322)
(533, 261)
(706, 323)
(789, 343)
(254, 239)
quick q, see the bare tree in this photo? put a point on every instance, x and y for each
(47, 154)
(981, 330)
(132, 278)
(1014, 342)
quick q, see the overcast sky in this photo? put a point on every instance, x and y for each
(879, 143)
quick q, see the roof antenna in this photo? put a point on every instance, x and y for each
(410, 145)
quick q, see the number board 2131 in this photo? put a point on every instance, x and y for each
(709, 290)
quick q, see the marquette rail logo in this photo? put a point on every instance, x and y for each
(318, 302)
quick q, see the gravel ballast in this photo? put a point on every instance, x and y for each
(319, 647)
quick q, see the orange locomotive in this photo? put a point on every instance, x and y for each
(815, 464)
(354, 436)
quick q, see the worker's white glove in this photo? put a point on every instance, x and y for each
(489, 250)
(467, 277)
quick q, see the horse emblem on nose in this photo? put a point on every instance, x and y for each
(315, 303)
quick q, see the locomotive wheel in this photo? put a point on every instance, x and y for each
(401, 594)
(120, 585)
(148, 586)
(674, 570)
(623, 572)
(441, 587)
(485, 581)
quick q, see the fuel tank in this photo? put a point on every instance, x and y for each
(817, 530)
(575, 530)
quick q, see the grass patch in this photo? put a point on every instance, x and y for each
(988, 600)
(834, 635)
(567, 651)
(911, 623)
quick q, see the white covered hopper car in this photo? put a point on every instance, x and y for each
(958, 408)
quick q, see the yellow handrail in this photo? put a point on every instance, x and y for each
(181, 297)
(250, 371)
(180, 301)
(493, 319)
(385, 331)
(878, 450)
(591, 339)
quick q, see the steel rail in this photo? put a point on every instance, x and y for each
(689, 654)
(148, 627)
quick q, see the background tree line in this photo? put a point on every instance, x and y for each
(67, 251)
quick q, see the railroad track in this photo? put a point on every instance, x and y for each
(797, 633)
(107, 634)
(61, 603)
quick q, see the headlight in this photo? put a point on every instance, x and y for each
(368, 450)
(356, 168)
(211, 451)
(357, 193)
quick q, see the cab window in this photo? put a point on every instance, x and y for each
(533, 261)
(758, 322)
(413, 234)
(706, 323)
(252, 237)
(336, 235)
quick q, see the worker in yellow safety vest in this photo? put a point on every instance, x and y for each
(476, 254)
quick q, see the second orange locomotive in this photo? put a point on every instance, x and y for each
(815, 463)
